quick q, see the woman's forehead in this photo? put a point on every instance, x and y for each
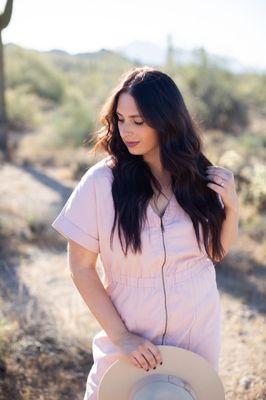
(127, 106)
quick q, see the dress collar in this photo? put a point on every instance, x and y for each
(169, 212)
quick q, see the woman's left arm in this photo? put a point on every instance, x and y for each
(223, 183)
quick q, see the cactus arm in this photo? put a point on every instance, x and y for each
(6, 15)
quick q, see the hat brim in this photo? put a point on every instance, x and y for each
(122, 375)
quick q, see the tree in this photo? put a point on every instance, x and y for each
(4, 21)
(170, 60)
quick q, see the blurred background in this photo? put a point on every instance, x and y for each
(59, 62)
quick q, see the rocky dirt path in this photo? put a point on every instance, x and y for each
(38, 295)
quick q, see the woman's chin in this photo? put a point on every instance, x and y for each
(134, 151)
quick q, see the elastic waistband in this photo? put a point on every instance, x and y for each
(188, 270)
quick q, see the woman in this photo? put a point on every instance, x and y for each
(159, 215)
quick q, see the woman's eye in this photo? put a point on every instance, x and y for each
(137, 123)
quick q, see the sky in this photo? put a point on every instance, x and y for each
(233, 28)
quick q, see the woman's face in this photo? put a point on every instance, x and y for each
(132, 127)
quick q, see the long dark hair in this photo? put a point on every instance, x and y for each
(163, 108)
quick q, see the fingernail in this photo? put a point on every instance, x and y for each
(161, 363)
(154, 367)
(147, 370)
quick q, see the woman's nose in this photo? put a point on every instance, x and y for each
(125, 130)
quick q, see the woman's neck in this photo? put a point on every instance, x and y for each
(160, 173)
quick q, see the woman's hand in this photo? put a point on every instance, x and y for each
(139, 351)
(222, 182)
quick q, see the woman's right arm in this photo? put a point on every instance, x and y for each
(82, 263)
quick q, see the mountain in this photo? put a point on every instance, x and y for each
(152, 54)
(148, 53)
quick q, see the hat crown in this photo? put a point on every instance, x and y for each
(162, 387)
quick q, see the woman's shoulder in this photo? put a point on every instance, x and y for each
(100, 170)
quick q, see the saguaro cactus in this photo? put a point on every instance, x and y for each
(4, 21)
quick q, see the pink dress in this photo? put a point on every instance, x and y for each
(168, 294)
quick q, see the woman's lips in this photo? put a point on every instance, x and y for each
(131, 144)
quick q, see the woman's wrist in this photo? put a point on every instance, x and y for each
(115, 337)
(232, 210)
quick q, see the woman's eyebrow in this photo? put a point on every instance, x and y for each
(131, 116)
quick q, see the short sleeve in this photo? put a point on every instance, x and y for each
(78, 218)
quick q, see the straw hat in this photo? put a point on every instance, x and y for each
(184, 375)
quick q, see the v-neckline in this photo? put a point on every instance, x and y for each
(165, 210)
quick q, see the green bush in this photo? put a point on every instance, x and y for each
(23, 108)
(74, 120)
(214, 94)
(252, 88)
(36, 71)
(255, 190)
